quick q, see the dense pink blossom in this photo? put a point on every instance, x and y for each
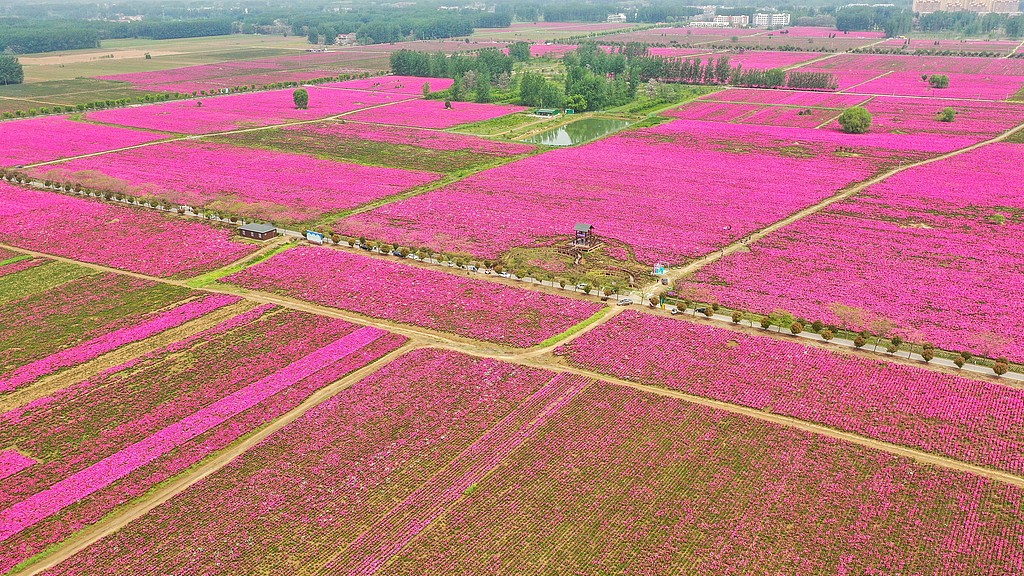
(355, 456)
(790, 116)
(714, 111)
(648, 188)
(245, 110)
(52, 137)
(102, 344)
(981, 120)
(980, 86)
(420, 296)
(786, 97)
(626, 482)
(173, 407)
(970, 420)
(120, 237)
(397, 84)
(12, 462)
(220, 84)
(246, 181)
(764, 60)
(826, 31)
(955, 46)
(935, 249)
(432, 113)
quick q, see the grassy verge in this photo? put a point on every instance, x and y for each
(16, 259)
(39, 279)
(576, 328)
(211, 277)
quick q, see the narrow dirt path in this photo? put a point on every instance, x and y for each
(119, 518)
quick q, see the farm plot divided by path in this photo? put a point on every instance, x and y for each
(277, 186)
(935, 251)
(423, 297)
(52, 137)
(650, 188)
(508, 468)
(98, 443)
(973, 421)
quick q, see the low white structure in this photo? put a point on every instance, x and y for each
(771, 19)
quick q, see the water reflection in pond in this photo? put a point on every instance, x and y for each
(577, 132)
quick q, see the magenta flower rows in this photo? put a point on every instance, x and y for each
(69, 490)
(120, 237)
(238, 111)
(173, 407)
(970, 420)
(244, 181)
(980, 86)
(785, 97)
(218, 84)
(52, 137)
(102, 344)
(648, 188)
(624, 482)
(354, 456)
(432, 113)
(419, 296)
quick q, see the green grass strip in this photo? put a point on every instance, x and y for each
(18, 258)
(575, 328)
(39, 279)
(211, 277)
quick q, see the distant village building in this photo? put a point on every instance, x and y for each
(617, 17)
(738, 21)
(771, 19)
(258, 231)
(978, 6)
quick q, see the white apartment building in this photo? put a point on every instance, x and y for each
(771, 19)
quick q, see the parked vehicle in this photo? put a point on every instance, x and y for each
(625, 301)
(676, 310)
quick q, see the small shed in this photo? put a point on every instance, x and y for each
(547, 112)
(258, 231)
(584, 235)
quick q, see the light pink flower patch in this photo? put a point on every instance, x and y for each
(120, 237)
(397, 84)
(247, 181)
(52, 137)
(432, 113)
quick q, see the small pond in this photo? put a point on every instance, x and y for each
(577, 132)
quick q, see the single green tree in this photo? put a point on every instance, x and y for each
(1000, 368)
(938, 81)
(796, 328)
(855, 120)
(301, 98)
(426, 89)
(947, 115)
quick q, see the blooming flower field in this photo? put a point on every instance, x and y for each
(243, 181)
(432, 113)
(983, 86)
(422, 297)
(119, 237)
(714, 111)
(174, 407)
(981, 120)
(665, 190)
(52, 137)
(84, 318)
(620, 481)
(340, 468)
(936, 253)
(239, 111)
(786, 98)
(970, 420)
(397, 84)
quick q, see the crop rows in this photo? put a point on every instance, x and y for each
(174, 407)
(87, 317)
(306, 492)
(974, 421)
(242, 181)
(931, 253)
(622, 482)
(120, 237)
(397, 84)
(785, 97)
(422, 297)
